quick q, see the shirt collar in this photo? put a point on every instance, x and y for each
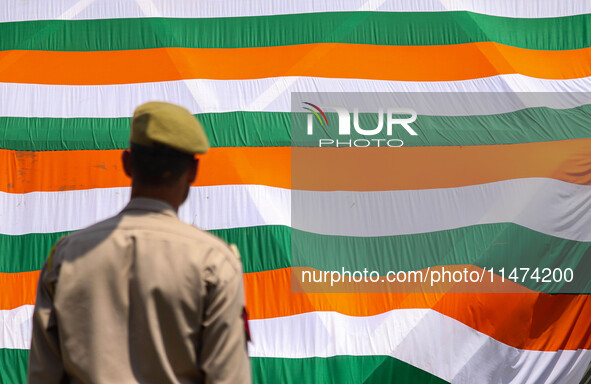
(149, 204)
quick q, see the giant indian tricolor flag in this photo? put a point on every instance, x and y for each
(72, 71)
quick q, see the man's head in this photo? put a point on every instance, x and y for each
(163, 143)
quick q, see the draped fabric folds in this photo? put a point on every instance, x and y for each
(492, 188)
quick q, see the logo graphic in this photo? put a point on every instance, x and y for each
(393, 118)
(315, 114)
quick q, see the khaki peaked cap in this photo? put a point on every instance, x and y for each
(170, 125)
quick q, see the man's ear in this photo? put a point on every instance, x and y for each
(192, 174)
(126, 160)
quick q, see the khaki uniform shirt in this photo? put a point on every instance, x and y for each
(141, 297)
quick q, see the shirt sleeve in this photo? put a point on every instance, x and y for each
(45, 362)
(223, 355)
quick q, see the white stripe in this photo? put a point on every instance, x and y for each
(65, 101)
(15, 327)
(215, 207)
(423, 338)
(203, 98)
(548, 206)
(73, 11)
(18, 10)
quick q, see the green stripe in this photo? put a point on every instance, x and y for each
(273, 129)
(261, 248)
(270, 247)
(501, 245)
(13, 365)
(339, 369)
(379, 28)
(232, 129)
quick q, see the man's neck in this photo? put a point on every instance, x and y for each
(166, 194)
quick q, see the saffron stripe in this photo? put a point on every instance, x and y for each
(329, 60)
(320, 169)
(268, 295)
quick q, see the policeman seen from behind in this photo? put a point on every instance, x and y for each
(143, 297)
